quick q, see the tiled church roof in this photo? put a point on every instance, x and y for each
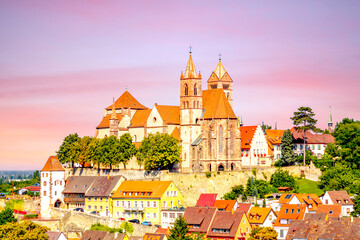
(126, 100)
(169, 114)
(53, 164)
(140, 117)
(216, 105)
(105, 122)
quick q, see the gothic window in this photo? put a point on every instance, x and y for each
(220, 139)
(187, 104)
(231, 139)
(198, 106)
(186, 90)
(184, 104)
(195, 89)
(228, 95)
(194, 104)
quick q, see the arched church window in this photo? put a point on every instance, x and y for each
(187, 104)
(195, 89)
(220, 139)
(194, 103)
(184, 104)
(231, 138)
(186, 90)
(198, 105)
(228, 95)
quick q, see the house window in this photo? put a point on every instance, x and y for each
(135, 214)
(142, 204)
(270, 217)
(281, 233)
(154, 204)
(55, 193)
(135, 204)
(154, 215)
(95, 198)
(313, 147)
(286, 210)
(44, 183)
(89, 207)
(44, 193)
(165, 215)
(295, 146)
(292, 211)
(117, 203)
(147, 215)
(326, 201)
(118, 214)
(123, 203)
(165, 204)
(100, 199)
(95, 207)
(148, 204)
(301, 147)
(298, 211)
(179, 203)
(319, 147)
(330, 212)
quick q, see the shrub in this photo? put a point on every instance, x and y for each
(208, 174)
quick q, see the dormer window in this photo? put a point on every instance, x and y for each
(292, 211)
(257, 217)
(142, 193)
(346, 201)
(298, 211)
(147, 194)
(286, 210)
(124, 193)
(130, 193)
(85, 186)
(251, 216)
(310, 205)
(136, 193)
(338, 201)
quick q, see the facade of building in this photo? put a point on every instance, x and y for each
(262, 217)
(144, 200)
(52, 180)
(204, 122)
(169, 215)
(341, 198)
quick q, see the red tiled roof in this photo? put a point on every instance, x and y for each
(126, 100)
(199, 216)
(243, 207)
(312, 138)
(33, 188)
(290, 212)
(216, 105)
(105, 122)
(176, 133)
(227, 205)
(247, 134)
(341, 196)
(206, 199)
(331, 210)
(140, 117)
(52, 164)
(227, 221)
(169, 114)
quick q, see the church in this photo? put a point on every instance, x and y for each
(204, 123)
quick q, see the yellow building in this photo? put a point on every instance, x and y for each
(144, 200)
(98, 195)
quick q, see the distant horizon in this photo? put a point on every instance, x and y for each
(61, 64)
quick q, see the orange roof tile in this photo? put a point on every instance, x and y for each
(216, 105)
(169, 114)
(140, 117)
(228, 205)
(247, 134)
(257, 215)
(290, 212)
(331, 210)
(309, 199)
(341, 196)
(273, 137)
(176, 133)
(126, 100)
(286, 197)
(134, 189)
(53, 164)
(105, 122)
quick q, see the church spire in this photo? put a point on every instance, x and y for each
(330, 123)
(190, 71)
(220, 70)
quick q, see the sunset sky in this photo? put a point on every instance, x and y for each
(62, 62)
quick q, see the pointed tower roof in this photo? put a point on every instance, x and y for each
(190, 71)
(330, 116)
(220, 70)
(126, 100)
(216, 105)
(52, 164)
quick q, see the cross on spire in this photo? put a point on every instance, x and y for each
(190, 49)
(220, 57)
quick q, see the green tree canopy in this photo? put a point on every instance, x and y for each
(101, 227)
(25, 230)
(69, 151)
(281, 178)
(127, 149)
(109, 149)
(339, 177)
(127, 227)
(159, 151)
(7, 215)
(287, 148)
(263, 233)
(179, 230)
(82, 146)
(303, 119)
(235, 192)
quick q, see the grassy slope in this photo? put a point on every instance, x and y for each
(308, 186)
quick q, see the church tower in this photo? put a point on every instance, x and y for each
(330, 123)
(190, 111)
(114, 122)
(221, 79)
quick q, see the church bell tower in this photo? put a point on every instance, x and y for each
(190, 110)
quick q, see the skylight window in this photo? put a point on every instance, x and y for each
(286, 210)
(75, 186)
(288, 196)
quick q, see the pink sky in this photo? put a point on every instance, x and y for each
(62, 62)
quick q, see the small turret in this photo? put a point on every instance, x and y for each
(330, 123)
(114, 122)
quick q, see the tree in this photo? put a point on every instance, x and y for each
(127, 227)
(347, 136)
(82, 146)
(109, 151)
(264, 203)
(7, 215)
(93, 152)
(287, 148)
(36, 176)
(25, 230)
(179, 230)
(236, 191)
(263, 233)
(69, 151)
(127, 148)
(304, 121)
(309, 157)
(356, 211)
(159, 151)
(101, 227)
(339, 177)
(281, 178)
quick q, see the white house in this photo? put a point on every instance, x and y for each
(52, 178)
(262, 217)
(168, 216)
(339, 197)
(56, 235)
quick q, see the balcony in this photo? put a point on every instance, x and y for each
(135, 209)
(74, 199)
